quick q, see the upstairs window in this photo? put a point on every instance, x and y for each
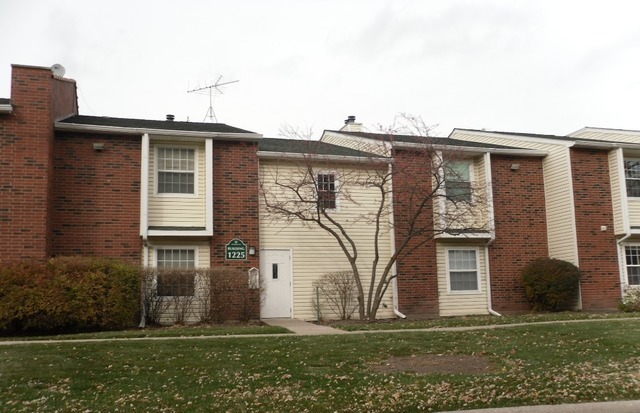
(327, 191)
(632, 253)
(176, 272)
(463, 270)
(176, 171)
(632, 177)
(457, 181)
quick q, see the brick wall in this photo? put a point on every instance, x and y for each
(96, 202)
(417, 270)
(520, 225)
(597, 251)
(235, 205)
(26, 160)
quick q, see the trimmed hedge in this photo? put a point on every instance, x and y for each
(68, 294)
(551, 284)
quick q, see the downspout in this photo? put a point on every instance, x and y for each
(392, 236)
(492, 231)
(144, 217)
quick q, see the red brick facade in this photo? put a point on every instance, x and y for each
(520, 228)
(26, 163)
(417, 271)
(597, 250)
(96, 201)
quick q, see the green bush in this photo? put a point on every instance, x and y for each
(631, 300)
(68, 294)
(551, 284)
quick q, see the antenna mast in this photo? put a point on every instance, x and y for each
(210, 90)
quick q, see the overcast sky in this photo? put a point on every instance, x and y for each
(527, 66)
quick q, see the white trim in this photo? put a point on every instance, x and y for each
(489, 189)
(208, 189)
(472, 150)
(195, 249)
(6, 108)
(625, 279)
(144, 187)
(623, 191)
(74, 127)
(605, 130)
(514, 137)
(181, 233)
(448, 273)
(624, 175)
(572, 210)
(392, 238)
(196, 172)
(328, 158)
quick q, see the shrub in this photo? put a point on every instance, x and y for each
(68, 294)
(631, 300)
(336, 293)
(551, 284)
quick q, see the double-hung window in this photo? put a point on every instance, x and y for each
(457, 181)
(632, 253)
(463, 270)
(632, 177)
(176, 271)
(176, 170)
(327, 190)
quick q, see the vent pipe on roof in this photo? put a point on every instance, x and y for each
(170, 118)
(350, 125)
(350, 119)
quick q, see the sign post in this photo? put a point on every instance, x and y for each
(236, 250)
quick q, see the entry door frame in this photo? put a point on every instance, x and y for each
(263, 253)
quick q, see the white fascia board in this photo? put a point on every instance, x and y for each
(359, 139)
(514, 137)
(6, 108)
(165, 233)
(474, 150)
(327, 158)
(607, 145)
(144, 187)
(74, 127)
(476, 235)
(208, 158)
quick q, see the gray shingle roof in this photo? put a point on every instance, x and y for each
(540, 136)
(308, 147)
(152, 124)
(424, 139)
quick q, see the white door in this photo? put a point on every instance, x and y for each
(275, 274)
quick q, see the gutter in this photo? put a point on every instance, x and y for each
(75, 127)
(329, 158)
(468, 149)
(492, 233)
(394, 268)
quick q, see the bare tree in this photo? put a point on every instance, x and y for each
(421, 193)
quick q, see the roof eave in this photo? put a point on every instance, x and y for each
(472, 149)
(76, 127)
(324, 157)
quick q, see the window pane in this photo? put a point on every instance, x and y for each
(633, 264)
(326, 191)
(176, 171)
(464, 281)
(175, 277)
(458, 181)
(463, 270)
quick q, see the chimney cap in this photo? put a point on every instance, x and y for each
(350, 119)
(170, 118)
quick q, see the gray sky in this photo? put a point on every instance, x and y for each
(529, 66)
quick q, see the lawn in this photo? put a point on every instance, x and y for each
(528, 364)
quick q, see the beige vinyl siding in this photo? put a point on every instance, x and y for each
(460, 303)
(634, 212)
(166, 210)
(611, 136)
(353, 142)
(314, 251)
(616, 193)
(558, 186)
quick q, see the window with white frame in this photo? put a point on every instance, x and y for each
(176, 170)
(176, 271)
(457, 181)
(632, 253)
(632, 177)
(327, 186)
(463, 270)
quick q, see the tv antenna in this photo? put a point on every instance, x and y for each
(211, 89)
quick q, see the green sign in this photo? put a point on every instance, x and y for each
(236, 250)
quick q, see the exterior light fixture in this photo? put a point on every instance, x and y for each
(515, 166)
(252, 250)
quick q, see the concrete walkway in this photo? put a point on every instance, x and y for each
(302, 328)
(631, 406)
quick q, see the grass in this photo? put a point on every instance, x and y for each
(534, 364)
(151, 332)
(479, 320)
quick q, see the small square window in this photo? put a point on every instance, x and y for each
(463, 270)
(176, 171)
